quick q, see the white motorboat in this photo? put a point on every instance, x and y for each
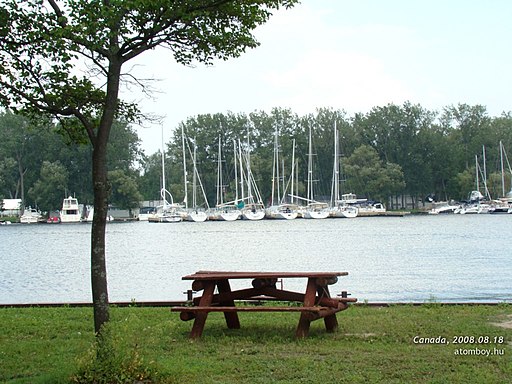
(31, 216)
(145, 213)
(70, 212)
(443, 207)
(165, 214)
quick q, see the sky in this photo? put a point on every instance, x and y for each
(351, 55)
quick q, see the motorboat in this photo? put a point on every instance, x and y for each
(30, 216)
(70, 212)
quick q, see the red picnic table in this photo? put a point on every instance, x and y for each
(316, 303)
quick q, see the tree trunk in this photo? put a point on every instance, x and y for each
(98, 260)
(101, 195)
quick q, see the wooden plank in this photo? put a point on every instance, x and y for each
(242, 294)
(249, 309)
(271, 293)
(310, 313)
(216, 275)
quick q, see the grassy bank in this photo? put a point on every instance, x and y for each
(373, 344)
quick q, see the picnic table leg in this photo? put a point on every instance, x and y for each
(205, 301)
(232, 320)
(331, 323)
(309, 301)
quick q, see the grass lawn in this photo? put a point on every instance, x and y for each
(432, 343)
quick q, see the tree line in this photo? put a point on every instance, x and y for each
(41, 166)
(386, 153)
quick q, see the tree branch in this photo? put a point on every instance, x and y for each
(60, 16)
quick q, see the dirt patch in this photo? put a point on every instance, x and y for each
(507, 323)
(362, 335)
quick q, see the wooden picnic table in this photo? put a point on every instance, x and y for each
(315, 303)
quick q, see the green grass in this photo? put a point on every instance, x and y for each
(372, 345)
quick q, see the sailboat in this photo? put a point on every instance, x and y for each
(476, 203)
(193, 213)
(224, 211)
(253, 208)
(504, 203)
(279, 209)
(167, 212)
(339, 208)
(314, 209)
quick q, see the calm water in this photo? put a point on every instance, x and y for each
(413, 258)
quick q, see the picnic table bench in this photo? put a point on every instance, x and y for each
(316, 303)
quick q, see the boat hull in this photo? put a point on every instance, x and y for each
(196, 216)
(316, 214)
(165, 219)
(250, 215)
(348, 213)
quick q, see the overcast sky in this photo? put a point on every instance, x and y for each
(345, 54)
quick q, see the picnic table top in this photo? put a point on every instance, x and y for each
(219, 275)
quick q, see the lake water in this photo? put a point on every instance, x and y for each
(446, 258)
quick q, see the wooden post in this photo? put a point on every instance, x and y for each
(331, 323)
(232, 320)
(200, 320)
(309, 301)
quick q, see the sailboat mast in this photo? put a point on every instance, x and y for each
(219, 176)
(194, 177)
(293, 168)
(310, 169)
(236, 170)
(162, 192)
(275, 170)
(240, 164)
(486, 190)
(502, 170)
(336, 170)
(477, 167)
(185, 198)
(249, 176)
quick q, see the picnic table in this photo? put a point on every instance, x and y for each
(315, 303)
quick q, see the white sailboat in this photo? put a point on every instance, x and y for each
(476, 203)
(504, 203)
(279, 209)
(167, 212)
(314, 209)
(253, 208)
(339, 207)
(193, 213)
(223, 211)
